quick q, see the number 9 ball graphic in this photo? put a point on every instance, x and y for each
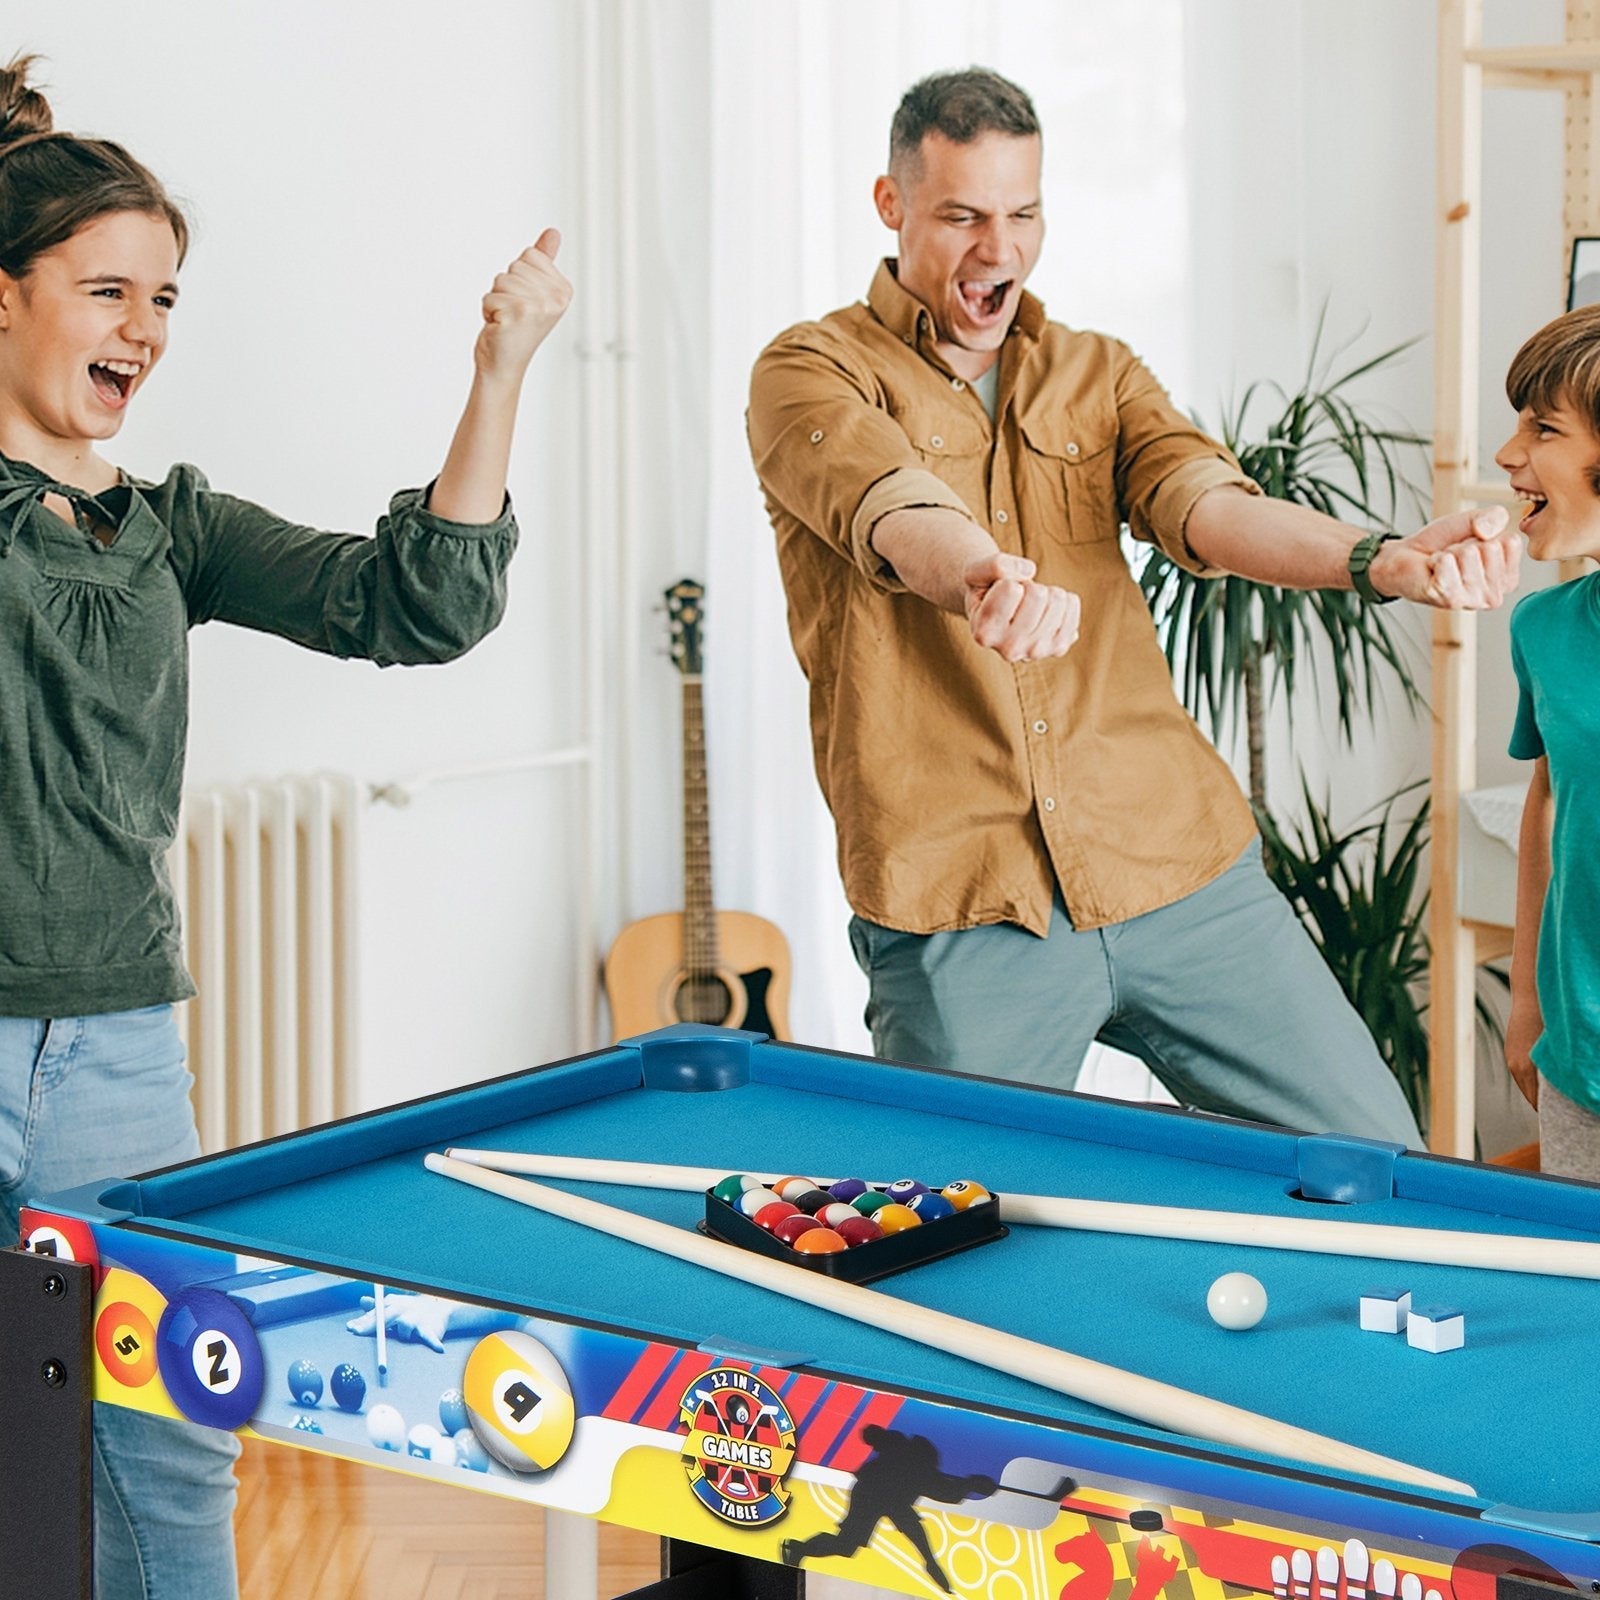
(209, 1358)
(518, 1401)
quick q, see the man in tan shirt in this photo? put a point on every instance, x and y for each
(1038, 843)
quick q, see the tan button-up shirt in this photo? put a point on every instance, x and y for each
(965, 788)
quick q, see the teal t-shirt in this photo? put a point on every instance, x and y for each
(94, 678)
(1555, 649)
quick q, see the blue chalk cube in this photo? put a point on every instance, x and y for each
(1385, 1310)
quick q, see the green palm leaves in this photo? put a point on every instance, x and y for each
(1229, 641)
(1231, 644)
(1362, 896)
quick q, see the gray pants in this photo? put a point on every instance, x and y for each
(1569, 1136)
(1222, 994)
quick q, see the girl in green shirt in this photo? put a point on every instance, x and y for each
(1553, 459)
(101, 576)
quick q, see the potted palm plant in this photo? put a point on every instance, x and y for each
(1232, 644)
(1231, 641)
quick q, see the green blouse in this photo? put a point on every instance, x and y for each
(94, 676)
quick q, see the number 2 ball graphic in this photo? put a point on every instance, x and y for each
(518, 1401)
(209, 1358)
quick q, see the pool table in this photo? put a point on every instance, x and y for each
(617, 1383)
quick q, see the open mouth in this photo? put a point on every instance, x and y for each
(984, 297)
(1535, 504)
(113, 380)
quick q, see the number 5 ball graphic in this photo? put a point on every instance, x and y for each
(127, 1344)
(518, 1401)
(209, 1359)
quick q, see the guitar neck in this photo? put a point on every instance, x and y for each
(699, 910)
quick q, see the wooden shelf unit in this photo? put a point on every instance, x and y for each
(1466, 68)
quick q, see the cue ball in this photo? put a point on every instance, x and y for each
(386, 1428)
(1236, 1300)
(518, 1401)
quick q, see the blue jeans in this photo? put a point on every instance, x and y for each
(1222, 994)
(99, 1097)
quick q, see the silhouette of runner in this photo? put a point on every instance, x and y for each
(902, 1468)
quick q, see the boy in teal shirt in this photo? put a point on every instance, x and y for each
(1553, 459)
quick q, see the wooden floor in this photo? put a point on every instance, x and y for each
(1525, 1156)
(311, 1527)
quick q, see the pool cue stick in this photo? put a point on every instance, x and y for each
(626, 1174)
(381, 1329)
(1144, 1399)
(1441, 1247)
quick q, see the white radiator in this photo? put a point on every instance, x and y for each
(265, 875)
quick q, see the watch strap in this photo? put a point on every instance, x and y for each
(1360, 562)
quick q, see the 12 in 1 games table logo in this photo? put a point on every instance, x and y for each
(739, 1448)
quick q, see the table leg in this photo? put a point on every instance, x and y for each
(571, 1555)
(694, 1572)
(46, 1411)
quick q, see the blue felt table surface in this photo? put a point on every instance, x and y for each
(1509, 1413)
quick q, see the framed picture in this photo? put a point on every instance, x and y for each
(1583, 282)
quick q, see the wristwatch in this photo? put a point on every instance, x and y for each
(1361, 554)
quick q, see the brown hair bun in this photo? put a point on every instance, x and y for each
(53, 183)
(23, 110)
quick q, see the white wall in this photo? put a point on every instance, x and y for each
(357, 174)
(1524, 285)
(1311, 140)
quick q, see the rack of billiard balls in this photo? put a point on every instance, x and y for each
(849, 1228)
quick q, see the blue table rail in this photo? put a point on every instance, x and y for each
(762, 1437)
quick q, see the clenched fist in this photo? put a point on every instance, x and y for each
(526, 302)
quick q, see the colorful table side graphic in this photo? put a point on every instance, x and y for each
(910, 1494)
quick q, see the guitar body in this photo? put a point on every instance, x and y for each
(648, 986)
(729, 969)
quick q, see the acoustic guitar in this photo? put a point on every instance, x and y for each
(729, 968)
